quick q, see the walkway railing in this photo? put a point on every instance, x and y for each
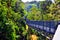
(47, 26)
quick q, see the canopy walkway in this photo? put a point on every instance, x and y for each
(47, 26)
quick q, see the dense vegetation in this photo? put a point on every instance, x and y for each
(47, 11)
(12, 23)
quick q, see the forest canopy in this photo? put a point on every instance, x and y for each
(13, 25)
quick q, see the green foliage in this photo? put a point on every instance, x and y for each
(53, 12)
(12, 24)
(47, 11)
(8, 20)
(34, 14)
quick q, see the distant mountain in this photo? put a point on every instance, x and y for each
(29, 5)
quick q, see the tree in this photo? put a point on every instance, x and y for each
(34, 14)
(53, 11)
(8, 20)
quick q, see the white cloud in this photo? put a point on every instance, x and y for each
(36, 0)
(31, 0)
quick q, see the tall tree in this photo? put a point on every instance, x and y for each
(8, 20)
(53, 11)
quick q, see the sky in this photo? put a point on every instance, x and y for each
(36, 0)
(31, 0)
